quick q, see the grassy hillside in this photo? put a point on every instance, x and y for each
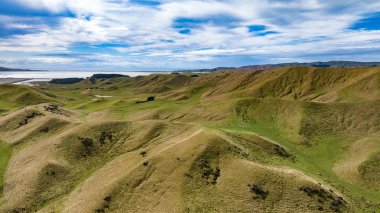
(5, 154)
(292, 139)
(13, 96)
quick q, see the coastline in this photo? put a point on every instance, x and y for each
(13, 80)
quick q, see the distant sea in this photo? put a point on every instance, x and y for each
(64, 74)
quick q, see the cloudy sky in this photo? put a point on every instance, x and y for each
(184, 34)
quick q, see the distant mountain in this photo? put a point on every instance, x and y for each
(331, 64)
(212, 70)
(11, 69)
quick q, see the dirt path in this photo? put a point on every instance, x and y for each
(257, 135)
(287, 170)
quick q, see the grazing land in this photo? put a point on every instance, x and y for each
(292, 139)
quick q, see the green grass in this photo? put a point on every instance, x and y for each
(7, 106)
(370, 170)
(315, 160)
(5, 155)
(326, 150)
(275, 119)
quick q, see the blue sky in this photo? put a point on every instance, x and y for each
(184, 34)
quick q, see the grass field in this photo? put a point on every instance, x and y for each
(5, 154)
(291, 139)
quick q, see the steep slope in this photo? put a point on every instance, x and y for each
(5, 154)
(360, 163)
(299, 83)
(25, 95)
(34, 121)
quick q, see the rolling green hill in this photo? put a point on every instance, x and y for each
(293, 139)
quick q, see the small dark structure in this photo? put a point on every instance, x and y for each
(150, 98)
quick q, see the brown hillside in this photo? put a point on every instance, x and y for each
(292, 139)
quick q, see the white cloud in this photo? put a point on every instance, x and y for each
(56, 6)
(303, 27)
